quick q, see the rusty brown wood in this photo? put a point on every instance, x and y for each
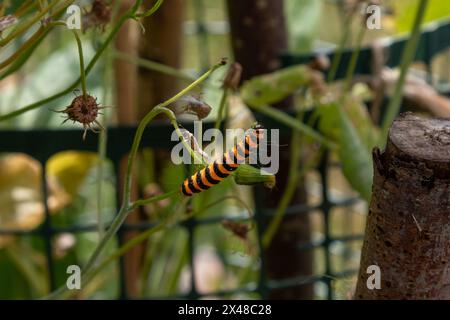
(408, 226)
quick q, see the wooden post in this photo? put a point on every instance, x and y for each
(408, 226)
(126, 84)
(258, 38)
(162, 42)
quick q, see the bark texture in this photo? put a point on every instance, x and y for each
(408, 226)
(259, 36)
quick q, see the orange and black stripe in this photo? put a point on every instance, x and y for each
(215, 172)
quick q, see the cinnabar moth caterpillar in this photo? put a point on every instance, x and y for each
(215, 172)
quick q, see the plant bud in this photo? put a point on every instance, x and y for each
(192, 105)
(233, 77)
(249, 175)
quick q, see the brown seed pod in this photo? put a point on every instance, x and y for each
(192, 105)
(84, 109)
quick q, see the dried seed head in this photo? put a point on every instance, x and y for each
(233, 77)
(99, 16)
(83, 109)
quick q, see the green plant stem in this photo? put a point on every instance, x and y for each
(70, 88)
(26, 267)
(24, 7)
(154, 66)
(32, 41)
(21, 29)
(143, 202)
(340, 50)
(103, 136)
(407, 58)
(80, 53)
(25, 46)
(150, 11)
(41, 5)
(103, 139)
(296, 125)
(289, 191)
(354, 59)
(222, 107)
(174, 280)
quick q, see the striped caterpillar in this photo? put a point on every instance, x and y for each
(215, 172)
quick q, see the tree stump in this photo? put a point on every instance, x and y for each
(408, 226)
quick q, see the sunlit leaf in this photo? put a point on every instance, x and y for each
(71, 168)
(303, 17)
(356, 159)
(274, 87)
(405, 11)
(357, 114)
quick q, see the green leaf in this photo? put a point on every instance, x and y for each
(357, 114)
(405, 11)
(274, 87)
(303, 17)
(356, 159)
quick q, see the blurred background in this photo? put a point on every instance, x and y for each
(218, 250)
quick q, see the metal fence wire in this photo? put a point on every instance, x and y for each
(42, 144)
